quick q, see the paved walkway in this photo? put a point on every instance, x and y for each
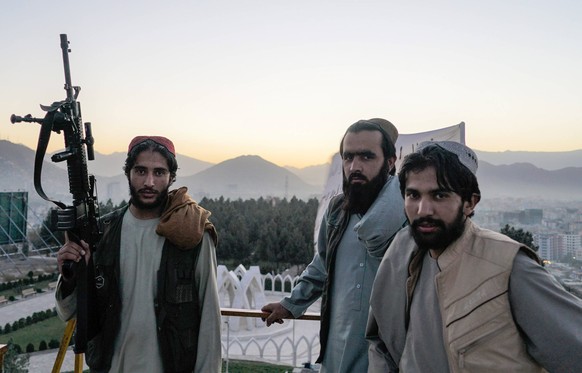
(42, 362)
(13, 311)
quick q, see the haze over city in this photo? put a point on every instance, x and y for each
(283, 80)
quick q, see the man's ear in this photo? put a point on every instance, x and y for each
(391, 163)
(469, 206)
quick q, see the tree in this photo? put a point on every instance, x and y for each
(14, 361)
(29, 348)
(53, 343)
(108, 206)
(520, 236)
(42, 345)
(275, 233)
(47, 235)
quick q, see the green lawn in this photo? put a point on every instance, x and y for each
(52, 328)
(239, 366)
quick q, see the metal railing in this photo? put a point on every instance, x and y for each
(270, 348)
(257, 313)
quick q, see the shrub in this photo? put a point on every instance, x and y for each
(42, 345)
(29, 348)
(53, 343)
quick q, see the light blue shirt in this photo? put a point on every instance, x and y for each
(358, 257)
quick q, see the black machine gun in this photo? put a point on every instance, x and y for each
(81, 220)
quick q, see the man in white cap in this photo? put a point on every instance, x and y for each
(450, 296)
(355, 232)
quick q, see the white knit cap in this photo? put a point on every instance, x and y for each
(466, 156)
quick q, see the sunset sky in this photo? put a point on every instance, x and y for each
(284, 79)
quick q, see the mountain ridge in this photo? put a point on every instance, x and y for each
(250, 176)
(546, 160)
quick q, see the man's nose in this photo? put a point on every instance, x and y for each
(356, 165)
(425, 207)
(149, 180)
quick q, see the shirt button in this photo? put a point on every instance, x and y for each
(361, 264)
(358, 286)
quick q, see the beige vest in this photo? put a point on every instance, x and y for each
(472, 288)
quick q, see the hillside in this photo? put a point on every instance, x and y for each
(245, 177)
(17, 165)
(525, 180)
(109, 165)
(546, 160)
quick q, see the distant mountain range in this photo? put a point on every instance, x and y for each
(546, 160)
(500, 175)
(112, 164)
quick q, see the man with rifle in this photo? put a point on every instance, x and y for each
(154, 269)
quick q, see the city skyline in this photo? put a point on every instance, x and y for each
(284, 80)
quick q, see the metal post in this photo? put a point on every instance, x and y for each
(227, 343)
(294, 347)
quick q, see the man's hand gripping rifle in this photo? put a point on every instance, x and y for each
(81, 220)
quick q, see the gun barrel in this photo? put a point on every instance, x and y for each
(27, 118)
(65, 49)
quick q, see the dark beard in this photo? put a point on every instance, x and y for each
(157, 203)
(443, 237)
(359, 197)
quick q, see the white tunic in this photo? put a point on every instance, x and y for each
(136, 347)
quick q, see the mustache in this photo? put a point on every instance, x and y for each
(437, 223)
(148, 190)
(357, 176)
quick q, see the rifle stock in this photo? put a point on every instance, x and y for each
(81, 220)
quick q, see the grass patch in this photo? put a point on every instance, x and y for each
(51, 328)
(242, 366)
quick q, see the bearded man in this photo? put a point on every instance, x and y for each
(355, 232)
(155, 275)
(450, 296)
